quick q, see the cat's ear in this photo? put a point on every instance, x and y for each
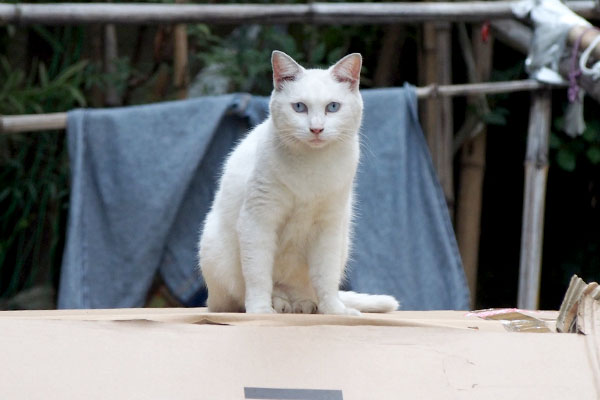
(348, 70)
(284, 69)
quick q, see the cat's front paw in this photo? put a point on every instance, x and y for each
(259, 309)
(336, 307)
(304, 307)
(281, 305)
(352, 311)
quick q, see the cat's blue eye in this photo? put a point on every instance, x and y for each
(333, 107)
(299, 107)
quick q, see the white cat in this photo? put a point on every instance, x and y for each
(277, 237)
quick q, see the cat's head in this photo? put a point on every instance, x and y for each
(316, 107)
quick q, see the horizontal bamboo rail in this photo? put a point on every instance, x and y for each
(318, 13)
(33, 122)
(42, 122)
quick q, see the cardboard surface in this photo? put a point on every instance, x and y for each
(190, 354)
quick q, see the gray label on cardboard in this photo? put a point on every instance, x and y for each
(291, 394)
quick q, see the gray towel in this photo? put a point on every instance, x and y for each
(144, 177)
(404, 243)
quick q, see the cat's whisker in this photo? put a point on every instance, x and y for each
(364, 144)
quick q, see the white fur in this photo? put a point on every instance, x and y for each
(277, 237)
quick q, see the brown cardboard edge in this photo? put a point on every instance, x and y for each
(434, 319)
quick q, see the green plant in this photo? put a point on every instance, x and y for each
(243, 55)
(569, 152)
(34, 166)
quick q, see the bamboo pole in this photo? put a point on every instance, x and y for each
(436, 113)
(536, 174)
(465, 89)
(320, 13)
(587, 37)
(96, 33)
(31, 123)
(111, 49)
(513, 33)
(472, 169)
(42, 122)
(181, 76)
(591, 86)
(389, 55)
(428, 75)
(445, 127)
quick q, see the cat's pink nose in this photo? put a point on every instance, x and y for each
(316, 131)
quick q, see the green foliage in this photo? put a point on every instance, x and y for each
(20, 94)
(34, 166)
(497, 116)
(569, 152)
(243, 56)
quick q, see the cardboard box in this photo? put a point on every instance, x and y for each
(191, 354)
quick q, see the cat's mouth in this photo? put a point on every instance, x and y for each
(317, 142)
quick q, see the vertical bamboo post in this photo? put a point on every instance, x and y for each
(181, 77)
(437, 112)
(446, 126)
(536, 174)
(472, 168)
(389, 55)
(429, 62)
(111, 97)
(96, 33)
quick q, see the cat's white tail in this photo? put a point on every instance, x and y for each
(370, 303)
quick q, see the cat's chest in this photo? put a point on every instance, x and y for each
(315, 175)
(304, 219)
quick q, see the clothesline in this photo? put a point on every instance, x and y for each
(52, 121)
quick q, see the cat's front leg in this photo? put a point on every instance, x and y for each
(326, 265)
(258, 240)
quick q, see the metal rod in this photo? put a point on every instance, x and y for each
(318, 13)
(43, 122)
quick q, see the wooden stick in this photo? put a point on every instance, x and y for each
(587, 37)
(445, 127)
(473, 124)
(96, 33)
(320, 13)
(472, 168)
(429, 109)
(390, 54)
(465, 89)
(181, 77)
(43, 122)
(513, 33)
(34, 122)
(111, 48)
(536, 174)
